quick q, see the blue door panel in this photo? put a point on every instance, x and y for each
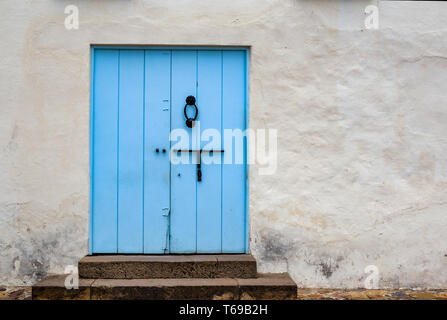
(142, 202)
(104, 166)
(209, 99)
(156, 164)
(183, 176)
(233, 169)
(130, 146)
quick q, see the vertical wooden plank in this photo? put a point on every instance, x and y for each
(247, 166)
(104, 148)
(183, 176)
(233, 174)
(209, 189)
(91, 132)
(156, 164)
(130, 149)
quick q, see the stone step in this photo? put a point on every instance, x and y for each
(167, 266)
(264, 286)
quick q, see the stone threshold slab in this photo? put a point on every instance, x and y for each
(167, 266)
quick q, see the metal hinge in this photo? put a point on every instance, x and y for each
(166, 211)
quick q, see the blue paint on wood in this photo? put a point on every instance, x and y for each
(233, 175)
(156, 165)
(209, 98)
(130, 150)
(247, 166)
(137, 98)
(105, 151)
(183, 176)
(91, 131)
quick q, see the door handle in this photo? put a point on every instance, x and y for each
(190, 101)
(199, 158)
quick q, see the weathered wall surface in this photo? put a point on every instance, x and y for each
(361, 118)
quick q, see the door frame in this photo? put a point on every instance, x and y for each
(246, 49)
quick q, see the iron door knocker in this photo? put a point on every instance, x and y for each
(190, 101)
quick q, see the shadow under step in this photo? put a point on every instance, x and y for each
(264, 286)
(167, 266)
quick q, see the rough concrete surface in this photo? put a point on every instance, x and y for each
(15, 293)
(361, 118)
(364, 294)
(168, 266)
(24, 293)
(264, 286)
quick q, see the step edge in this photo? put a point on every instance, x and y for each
(241, 290)
(165, 258)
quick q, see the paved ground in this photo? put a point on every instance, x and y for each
(24, 293)
(15, 293)
(363, 294)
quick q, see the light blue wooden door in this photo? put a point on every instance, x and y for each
(140, 201)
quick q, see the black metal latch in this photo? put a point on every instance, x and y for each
(190, 101)
(199, 156)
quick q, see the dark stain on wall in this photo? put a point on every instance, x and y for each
(273, 245)
(327, 269)
(33, 260)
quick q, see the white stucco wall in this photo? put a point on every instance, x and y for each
(361, 118)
